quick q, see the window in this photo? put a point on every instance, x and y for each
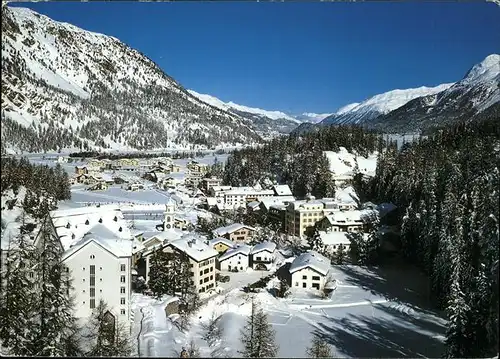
(92, 281)
(83, 268)
(211, 269)
(92, 303)
(205, 271)
(211, 277)
(122, 300)
(201, 272)
(122, 279)
(201, 281)
(303, 285)
(257, 258)
(304, 277)
(122, 311)
(92, 256)
(315, 286)
(315, 277)
(92, 270)
(92, 292)
(122, 290)
(205, 280)
(122, 267)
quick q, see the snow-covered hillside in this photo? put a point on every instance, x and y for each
(377, 105)
(263, 121)
(476, 92)
(63, 86)
(311, 117)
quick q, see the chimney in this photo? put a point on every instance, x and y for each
(190, 244)
(194, 240)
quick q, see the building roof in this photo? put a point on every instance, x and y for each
(242, 249)
(282, 190)
(253, 204)
(313, 260)
(264, 246)
(334, 238)
(231, 228)
(194, 247)
(276, 200)
(105, 237)
(223, 240)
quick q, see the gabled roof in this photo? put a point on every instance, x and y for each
(231, 228)
(313, 260)
(264, 246)
(194, 247)
(242, 249)
(223, 240)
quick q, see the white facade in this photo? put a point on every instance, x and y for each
(99, 274)
(308, 278)
(239, 261)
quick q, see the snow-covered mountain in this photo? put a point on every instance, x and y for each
(266, 123)
(64, 87)
(357, 113)
(476, 92)
(311, 117)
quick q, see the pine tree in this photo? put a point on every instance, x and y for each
(159, 274)
(212, 333)
(257, 335)
(55, 320)
(105, 335)
(319, 348)
(17, 305)
(315, 242)
(340, 255)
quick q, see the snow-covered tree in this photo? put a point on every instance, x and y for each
(17, 304)
(319, 348)
(54, 320)
(212, 332)
(257, 335)
(105, 335)
(159, 274)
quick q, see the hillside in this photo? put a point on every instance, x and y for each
(475, 93)
(64, 87)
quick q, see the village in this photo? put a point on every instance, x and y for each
(239, 241)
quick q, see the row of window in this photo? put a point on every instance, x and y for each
(206, 279)
(123, 267)
(203, 289)
(314, 277)
(206, 270)
(207, 262)
(304, 285)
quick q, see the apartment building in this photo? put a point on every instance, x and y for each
(300, 215)
(196, 172)
(210, 182)
(98, 249)
(202, 260)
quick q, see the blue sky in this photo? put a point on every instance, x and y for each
(297, 56)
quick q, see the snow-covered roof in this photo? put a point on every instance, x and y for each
(105, 237)
(334, 238)
(106, 177)
(313, 260)
(253, 204)
(223, 240)
(354, 217)
(264, 246)
(242, 249)
(276, 200)
(249, 191)
(347, 195)
(194, 247)
(282, 190)
(82, 220)
(231, 228)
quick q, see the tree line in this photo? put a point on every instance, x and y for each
(448, 185)
(298, 160)
(44, 185)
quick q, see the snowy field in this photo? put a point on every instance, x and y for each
(371, 314)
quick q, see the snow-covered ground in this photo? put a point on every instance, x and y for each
(371, 314)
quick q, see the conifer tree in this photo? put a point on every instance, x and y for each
(319, 348)
(17, 304)
(55, 320)
(105, 334)
(159, 277)
(212, 332)
(340, 255)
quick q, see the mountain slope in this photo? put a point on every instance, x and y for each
(475, 93)
(266, 123)
(358, 113)
(66, 87)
